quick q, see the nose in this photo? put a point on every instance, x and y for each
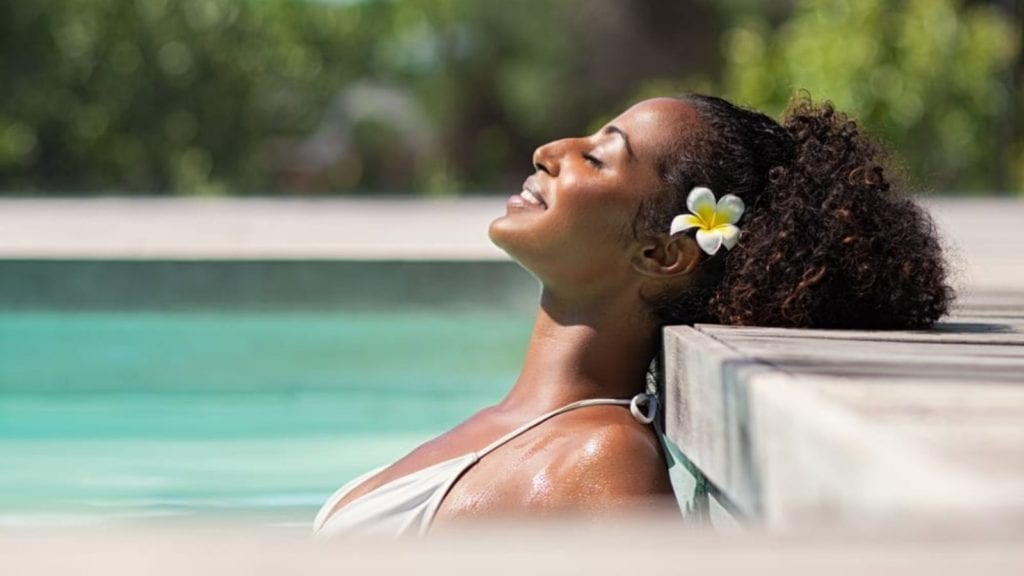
(547, 158)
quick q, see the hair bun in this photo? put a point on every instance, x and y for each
(831, 244)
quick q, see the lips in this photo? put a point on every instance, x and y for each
(532, 195)
(532, 198)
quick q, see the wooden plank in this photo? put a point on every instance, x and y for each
(966, 330)
(818, 462)
(830, 424)
(975, 425)
(770, 347)
(705, 415)
(939, 372)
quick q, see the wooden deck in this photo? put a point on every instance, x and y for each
(798, 427)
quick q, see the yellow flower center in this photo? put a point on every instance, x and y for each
(707, 216)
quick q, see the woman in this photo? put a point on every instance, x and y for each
(678, 211)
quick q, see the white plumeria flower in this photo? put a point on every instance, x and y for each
(715, 222)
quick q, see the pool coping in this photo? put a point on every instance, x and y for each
(248, 228)
(982, 236)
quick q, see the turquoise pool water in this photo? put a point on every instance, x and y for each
(156, 416)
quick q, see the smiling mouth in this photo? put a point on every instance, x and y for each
(532, 198)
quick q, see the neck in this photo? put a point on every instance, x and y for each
(578, 352)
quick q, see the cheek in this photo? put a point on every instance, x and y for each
(602, 220)
(589, 243)
(591, 224)
(581, 239)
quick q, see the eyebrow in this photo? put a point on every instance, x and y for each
(612, 129)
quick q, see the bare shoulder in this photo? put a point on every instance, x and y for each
(607, 460)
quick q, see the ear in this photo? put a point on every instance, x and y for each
(667, 256)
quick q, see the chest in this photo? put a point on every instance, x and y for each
(468, 438)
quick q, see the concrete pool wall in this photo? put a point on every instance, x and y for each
(168, 284)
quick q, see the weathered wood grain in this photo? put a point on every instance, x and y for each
(803, 426)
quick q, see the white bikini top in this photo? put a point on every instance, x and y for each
(407, 505)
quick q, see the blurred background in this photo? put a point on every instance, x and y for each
(450, 97)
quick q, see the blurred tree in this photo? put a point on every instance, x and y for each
(246, 96)
(444, 96)
(928, 76)
(187, 96)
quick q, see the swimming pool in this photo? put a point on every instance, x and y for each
(155, 415)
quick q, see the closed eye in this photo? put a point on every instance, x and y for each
(593, 160)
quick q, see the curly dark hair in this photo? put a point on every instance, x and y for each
(826, 240)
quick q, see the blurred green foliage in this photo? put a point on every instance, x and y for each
(219, 96)
(158, 95)
(445, 96)
(928, 76)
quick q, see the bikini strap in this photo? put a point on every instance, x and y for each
(634, 408)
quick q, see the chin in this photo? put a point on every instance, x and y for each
(527, 236)
(515, 239)
(500, 234)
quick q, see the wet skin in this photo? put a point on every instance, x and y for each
(592, 337)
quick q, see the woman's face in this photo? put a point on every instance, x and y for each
(572, 224)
